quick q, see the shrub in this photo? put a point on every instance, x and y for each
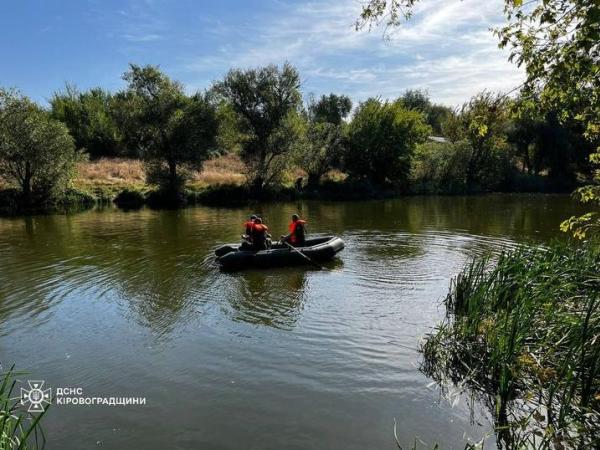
(130, 198)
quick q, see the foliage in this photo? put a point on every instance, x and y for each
(322, 146)
(482, 123)
(381, 139)
(266, 102)
(435, 115)
(18, 430)
(330, 109)
(89, 118)
(589, 222)
(521, 333)
(177, 132)
(130, 198)
(37, 153)
(440, 167)
(558, 43)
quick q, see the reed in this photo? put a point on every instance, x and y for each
(522, 332)
(18, 430)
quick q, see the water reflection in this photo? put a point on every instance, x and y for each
(274, 299)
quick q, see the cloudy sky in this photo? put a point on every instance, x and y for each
(446, 48)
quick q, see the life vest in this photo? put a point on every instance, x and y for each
(297, 231)
(259, 235)
(258, 228)
(248, 225)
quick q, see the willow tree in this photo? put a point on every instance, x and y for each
(37, 154)
(177, 132)
(266, 101)
(330, 108)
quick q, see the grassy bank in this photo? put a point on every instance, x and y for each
(523, 334)
(222, 181)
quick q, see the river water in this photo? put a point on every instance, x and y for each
(130, 304)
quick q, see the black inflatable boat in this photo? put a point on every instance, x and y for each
(318, 249)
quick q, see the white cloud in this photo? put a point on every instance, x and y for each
(446, 47)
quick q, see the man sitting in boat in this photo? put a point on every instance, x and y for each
(247, 236)
(297, 228)
(259, 235)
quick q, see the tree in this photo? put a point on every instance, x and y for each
(323, 146)
(483, 124)
(440, 167)
(177, 132)
(381, 140)
(266, 101)
(330, 109)
(89, 120)
(435, 115)
(36, 152)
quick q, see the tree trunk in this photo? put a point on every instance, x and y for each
(26, 185)
(256, 189)
(173, 176)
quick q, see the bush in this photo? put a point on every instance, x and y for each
(130, 198)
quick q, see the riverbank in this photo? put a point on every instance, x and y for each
(521, 336)
(222, 182)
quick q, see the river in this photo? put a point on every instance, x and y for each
(130, 304)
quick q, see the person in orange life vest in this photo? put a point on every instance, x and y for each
(259, 235)
(248, 227)
(297, 228)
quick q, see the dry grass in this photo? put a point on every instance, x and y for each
(227, 169)
(113, 172)
(110, 171)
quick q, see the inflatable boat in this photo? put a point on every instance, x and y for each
(317, 249)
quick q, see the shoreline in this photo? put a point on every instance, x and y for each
(134, 197)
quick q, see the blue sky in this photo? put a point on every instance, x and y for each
(446, 47)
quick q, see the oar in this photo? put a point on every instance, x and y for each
(303, 255)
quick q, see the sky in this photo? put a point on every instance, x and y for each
(446, 48)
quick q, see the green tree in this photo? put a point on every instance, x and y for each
(266, 101)
(435, 115)
(381, 140)
(88, 117)
(483, 124)
(37, 153)
(322, 147)
(177, 133)
(330, 108)
(440, 167)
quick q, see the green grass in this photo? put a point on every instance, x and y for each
(19, 430)
(523, 334)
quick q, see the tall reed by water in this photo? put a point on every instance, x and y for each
(522, 332)
(18, 430)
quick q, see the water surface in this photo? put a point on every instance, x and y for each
(131, 304)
